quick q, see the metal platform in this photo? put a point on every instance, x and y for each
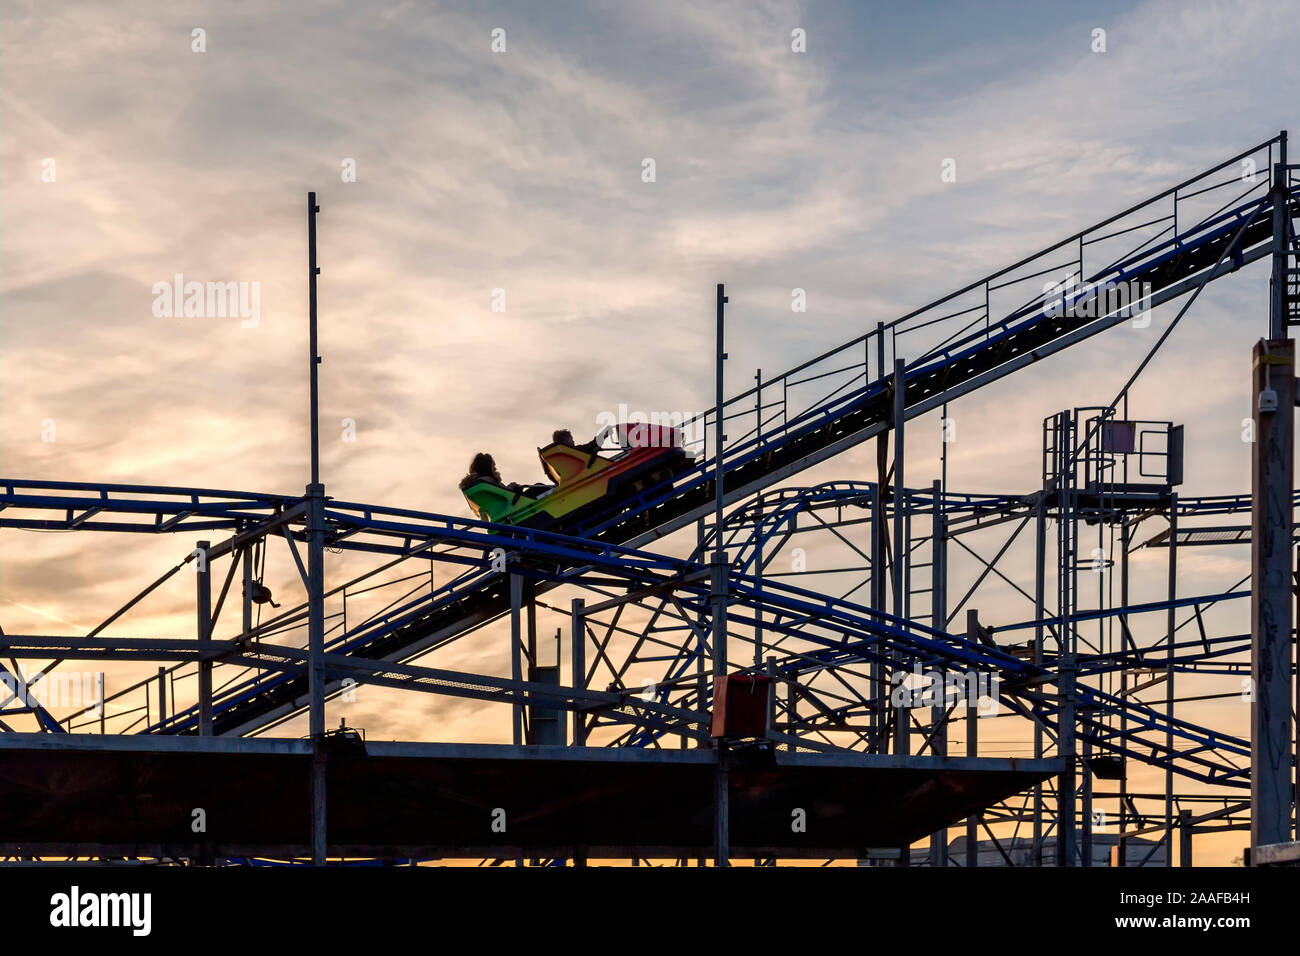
(132, 796)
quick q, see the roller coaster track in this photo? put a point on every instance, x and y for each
(964, 354)
(959, 346)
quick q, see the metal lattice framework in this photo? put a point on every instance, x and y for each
(1082, 677)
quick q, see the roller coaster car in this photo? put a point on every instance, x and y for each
(586, 483)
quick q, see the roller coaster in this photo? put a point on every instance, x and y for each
(1087, 680)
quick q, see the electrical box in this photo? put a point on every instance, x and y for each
(1119, 437)
(741, 705)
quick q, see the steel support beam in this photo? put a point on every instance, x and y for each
(578, 679)
(1272, 482)
(315, 566)
(1040, 612)
(938, 620)
(972, 743)
(516, 656)
(902, 715)
(1171, 640)
(1065, 744)
(203, 577)
(720, 566)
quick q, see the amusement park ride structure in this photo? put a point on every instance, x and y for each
(617, 754)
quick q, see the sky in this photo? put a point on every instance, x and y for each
(481, 177)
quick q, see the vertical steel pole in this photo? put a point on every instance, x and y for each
(316, 663)
(530, 627)
(314, 356)
(758, 576)
(578, 651)
(204, 603)
(1277, 320)
(1065, 746)
(1270, 596)
(1085, 799)
(516, 657)
(876, 670)
(315, 565)
(1040, 591)
(899, 488)
(1272, 749)
(1121, 843)
(1170, 625)
(722, 810)
(939, 621)
(722, 781)
(720, 560)
(792, 709)
(530, 617)
(578, 663)
(1065, 483)
(972, 741)
(902, 715)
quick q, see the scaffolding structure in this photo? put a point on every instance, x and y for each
(879, 611)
